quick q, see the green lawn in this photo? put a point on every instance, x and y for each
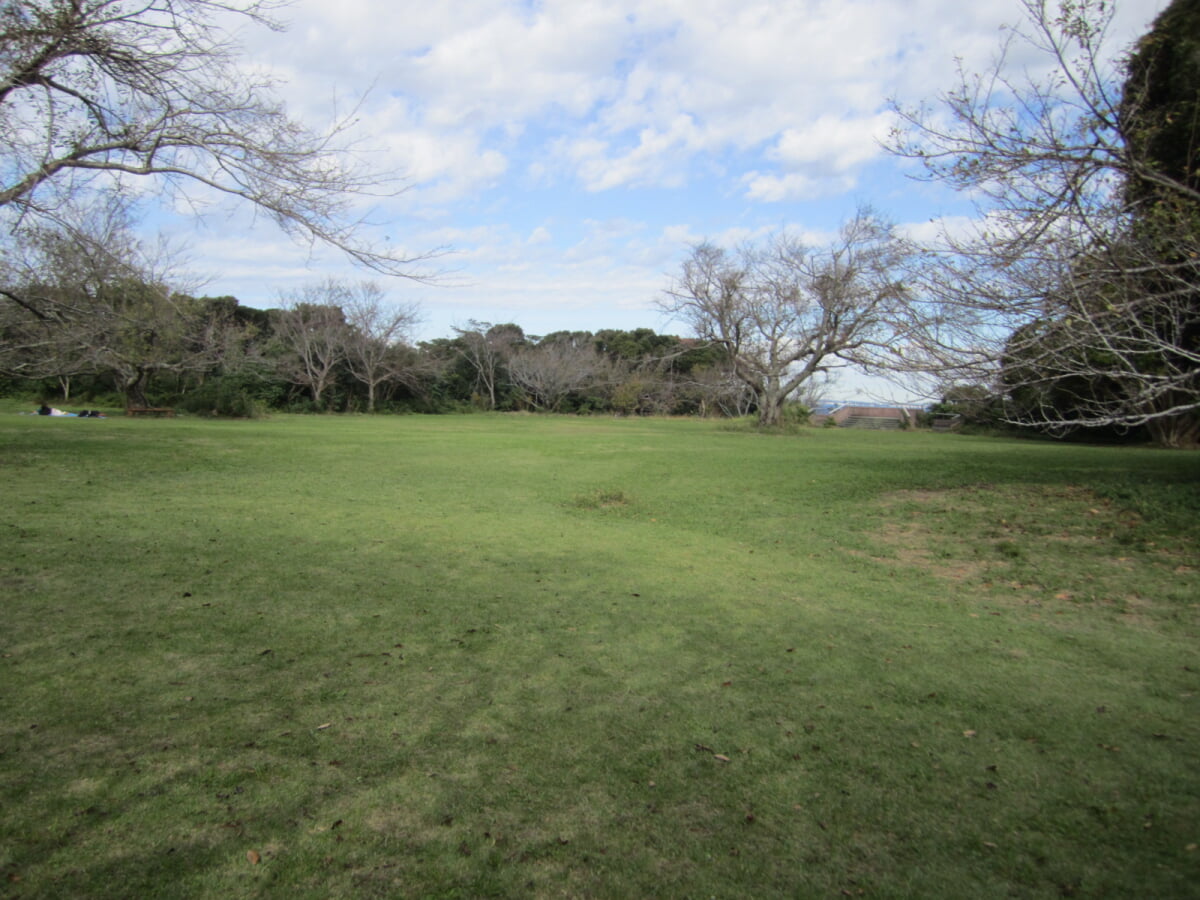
(519, 656)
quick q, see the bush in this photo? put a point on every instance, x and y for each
(795, 414)
(227, 396)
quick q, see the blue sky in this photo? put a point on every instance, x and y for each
(568, 152)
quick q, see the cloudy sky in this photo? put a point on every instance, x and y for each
(567, 152)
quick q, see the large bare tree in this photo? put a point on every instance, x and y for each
(1076, 291)
(785, 312)
(96, 91)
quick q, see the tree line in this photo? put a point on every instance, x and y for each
(100, 324)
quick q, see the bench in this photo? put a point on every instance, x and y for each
(155, 411)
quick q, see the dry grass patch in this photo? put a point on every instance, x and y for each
(601, 498)
(1050, 548)
(913, 546)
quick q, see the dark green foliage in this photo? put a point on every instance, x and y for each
(247, 393)
(1160, 111)
(636, 345)
(1160, 120)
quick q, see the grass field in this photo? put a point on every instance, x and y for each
(513, 656)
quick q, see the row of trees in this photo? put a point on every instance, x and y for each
(92, 310)
(1072, 299)
(336, 345)
(635, 372)
(770, 322)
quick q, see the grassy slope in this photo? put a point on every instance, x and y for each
(506, 655)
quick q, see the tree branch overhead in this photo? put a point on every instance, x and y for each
(92, 91)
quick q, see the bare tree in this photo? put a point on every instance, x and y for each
(785, 312)
(89, 298)
(93, 91)
(377, 330)
(487, 348)
(1075, 292)
(718, 390)
(311, 327)
(551, 371)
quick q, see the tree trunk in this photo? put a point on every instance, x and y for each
(770, 410)
(133, 386)
(1180, 432)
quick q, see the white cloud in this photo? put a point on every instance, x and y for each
(657, 158)
(792, 186)
(832, 142)
(636, 90)
(643, 126)
(935, 231)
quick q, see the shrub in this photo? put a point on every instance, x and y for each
(231, 395)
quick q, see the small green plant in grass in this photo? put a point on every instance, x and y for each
(1009, 549)
(601, 498)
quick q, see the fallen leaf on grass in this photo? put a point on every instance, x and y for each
(253, 858)
(970, 733)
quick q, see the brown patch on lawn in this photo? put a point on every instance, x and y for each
(1051, 548)
(911, 546)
